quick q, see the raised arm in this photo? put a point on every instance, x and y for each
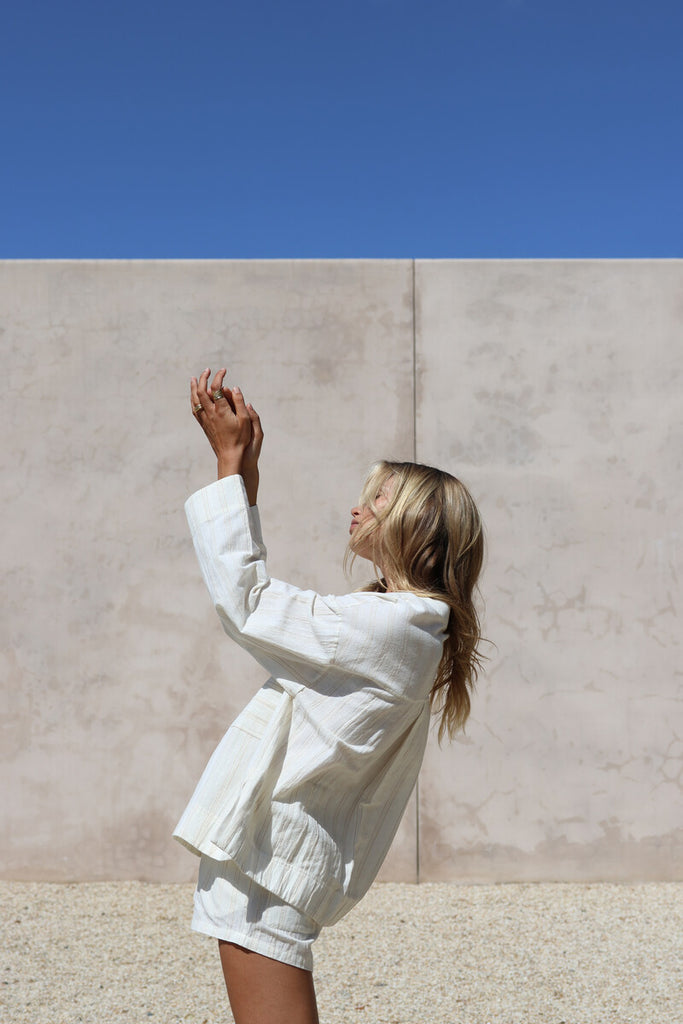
(232, 427)
(285, 628)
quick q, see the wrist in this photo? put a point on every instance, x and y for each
(228, 465)
(251, 482)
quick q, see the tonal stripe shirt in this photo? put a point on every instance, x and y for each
(307, 788)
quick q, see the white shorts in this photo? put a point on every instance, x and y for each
(228, 905)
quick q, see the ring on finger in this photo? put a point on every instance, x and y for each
(197, 408)
(217, 393)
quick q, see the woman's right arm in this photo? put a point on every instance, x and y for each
(279, 624)
(283, 627)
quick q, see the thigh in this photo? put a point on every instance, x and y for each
(266, 991)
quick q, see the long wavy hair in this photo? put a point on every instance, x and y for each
(429, 539)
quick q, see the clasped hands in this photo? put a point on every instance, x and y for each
(232, 427)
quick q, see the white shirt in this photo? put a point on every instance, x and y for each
(307, 788)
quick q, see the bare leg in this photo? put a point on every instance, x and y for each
(265, 991)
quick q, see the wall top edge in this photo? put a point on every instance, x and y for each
(553, 259)
(345, 259)
(191, 259)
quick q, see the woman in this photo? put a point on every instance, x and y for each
(299, 803)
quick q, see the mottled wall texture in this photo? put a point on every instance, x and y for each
(553, 388)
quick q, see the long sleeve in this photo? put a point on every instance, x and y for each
(283, 627)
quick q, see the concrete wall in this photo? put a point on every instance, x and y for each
(553, 389)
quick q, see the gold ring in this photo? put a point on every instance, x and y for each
(218, 393)
(197, 408)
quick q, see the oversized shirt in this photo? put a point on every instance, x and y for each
(307, 788)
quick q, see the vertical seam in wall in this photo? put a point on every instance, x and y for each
(417, 784)
(414, 373)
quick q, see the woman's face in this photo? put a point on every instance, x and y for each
(359, 516)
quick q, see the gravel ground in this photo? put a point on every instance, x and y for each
(122, 953)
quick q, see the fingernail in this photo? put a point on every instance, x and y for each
(236, 388)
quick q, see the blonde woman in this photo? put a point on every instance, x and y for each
(300, 801)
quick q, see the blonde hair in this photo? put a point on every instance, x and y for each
(429, 539)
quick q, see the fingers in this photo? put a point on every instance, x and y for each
(202, 393)
(204, 404)
(194, 399)
(201, 400)
(218, 380)
(217, 387)
(257, 429)
(205, 394)
(241, 410)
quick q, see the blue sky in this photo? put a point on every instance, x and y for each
(370, 128)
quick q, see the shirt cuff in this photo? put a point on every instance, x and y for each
(214, 500)
(255, 524)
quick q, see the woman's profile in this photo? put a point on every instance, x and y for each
(300, 801)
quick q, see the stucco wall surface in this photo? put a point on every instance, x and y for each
(551, 387)
(554, 388)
